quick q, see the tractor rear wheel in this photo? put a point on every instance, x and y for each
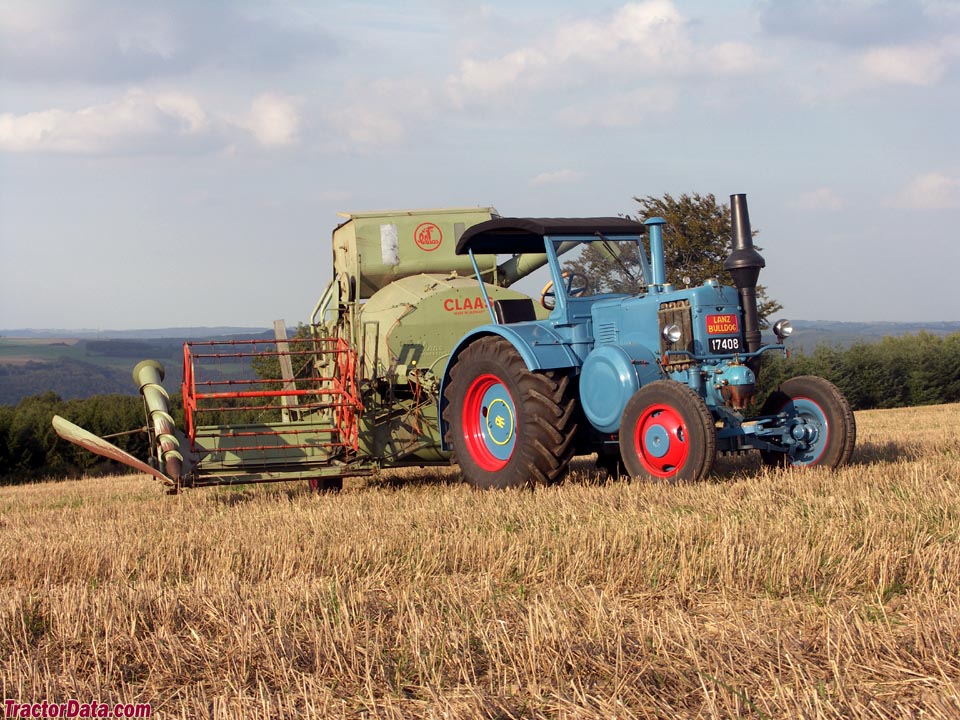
(821, 418)
(509, 427)
(667, 433)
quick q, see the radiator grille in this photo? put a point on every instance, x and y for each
(676, 312)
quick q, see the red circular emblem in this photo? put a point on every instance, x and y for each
(427, 236)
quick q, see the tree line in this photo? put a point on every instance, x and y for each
(901, 371)
(30, 449)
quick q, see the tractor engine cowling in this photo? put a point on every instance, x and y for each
(675, 334)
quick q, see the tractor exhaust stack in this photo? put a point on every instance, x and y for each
(744, 264)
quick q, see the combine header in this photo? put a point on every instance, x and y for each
(298, 424)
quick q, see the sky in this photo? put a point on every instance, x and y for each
(177, 163)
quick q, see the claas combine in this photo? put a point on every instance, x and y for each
(420, 352)
(356, 391)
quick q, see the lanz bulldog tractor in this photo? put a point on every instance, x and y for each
(660, 379)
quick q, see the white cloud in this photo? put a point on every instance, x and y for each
(274, 120)
(383, 113)
(621, 110)
(932, 191)
(137, 123)
(823, 198)
(922, 65)
(363, 128)
(117, 41)
(640, 39)
(733, 58)
(521, 67)
(653, 31)
(143, 122)
(559, 177)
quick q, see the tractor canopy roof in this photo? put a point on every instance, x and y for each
(525, 235)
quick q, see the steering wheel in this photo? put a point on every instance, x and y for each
(575, 283)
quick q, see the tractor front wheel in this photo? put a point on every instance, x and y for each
(509, 427)
(820, 422)
(667, 433)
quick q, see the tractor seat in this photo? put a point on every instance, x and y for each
(514, 310)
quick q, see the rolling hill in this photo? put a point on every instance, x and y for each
(82, 363)
(79, 364)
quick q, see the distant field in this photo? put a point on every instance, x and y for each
(759, 593)
(81, 368)
(35, 342)
(106, 352)
(70, 368)
(17, 351)
(14, 360)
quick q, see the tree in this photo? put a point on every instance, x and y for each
(267, 364)
(696, 241)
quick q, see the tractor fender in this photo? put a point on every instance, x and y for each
(610, 376)
(540, 347)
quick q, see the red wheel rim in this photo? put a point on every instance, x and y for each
(491, 452)
(660, 437)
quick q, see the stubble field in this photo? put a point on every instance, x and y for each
(759, 593)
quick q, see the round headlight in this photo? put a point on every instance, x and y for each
(672, 333)
(783, 329)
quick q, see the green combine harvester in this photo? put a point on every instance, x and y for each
(353, 392)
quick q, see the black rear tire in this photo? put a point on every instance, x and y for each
(509, 427)
(667, 433)
(821, 405)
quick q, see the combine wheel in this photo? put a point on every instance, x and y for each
(820, 419)
(509, 427)
(611, 464)
(667, 432)
(325, 484)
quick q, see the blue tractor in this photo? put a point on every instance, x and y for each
(656, 383)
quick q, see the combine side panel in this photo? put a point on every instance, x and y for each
(235, 398)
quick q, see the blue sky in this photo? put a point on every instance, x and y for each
(180, 163)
